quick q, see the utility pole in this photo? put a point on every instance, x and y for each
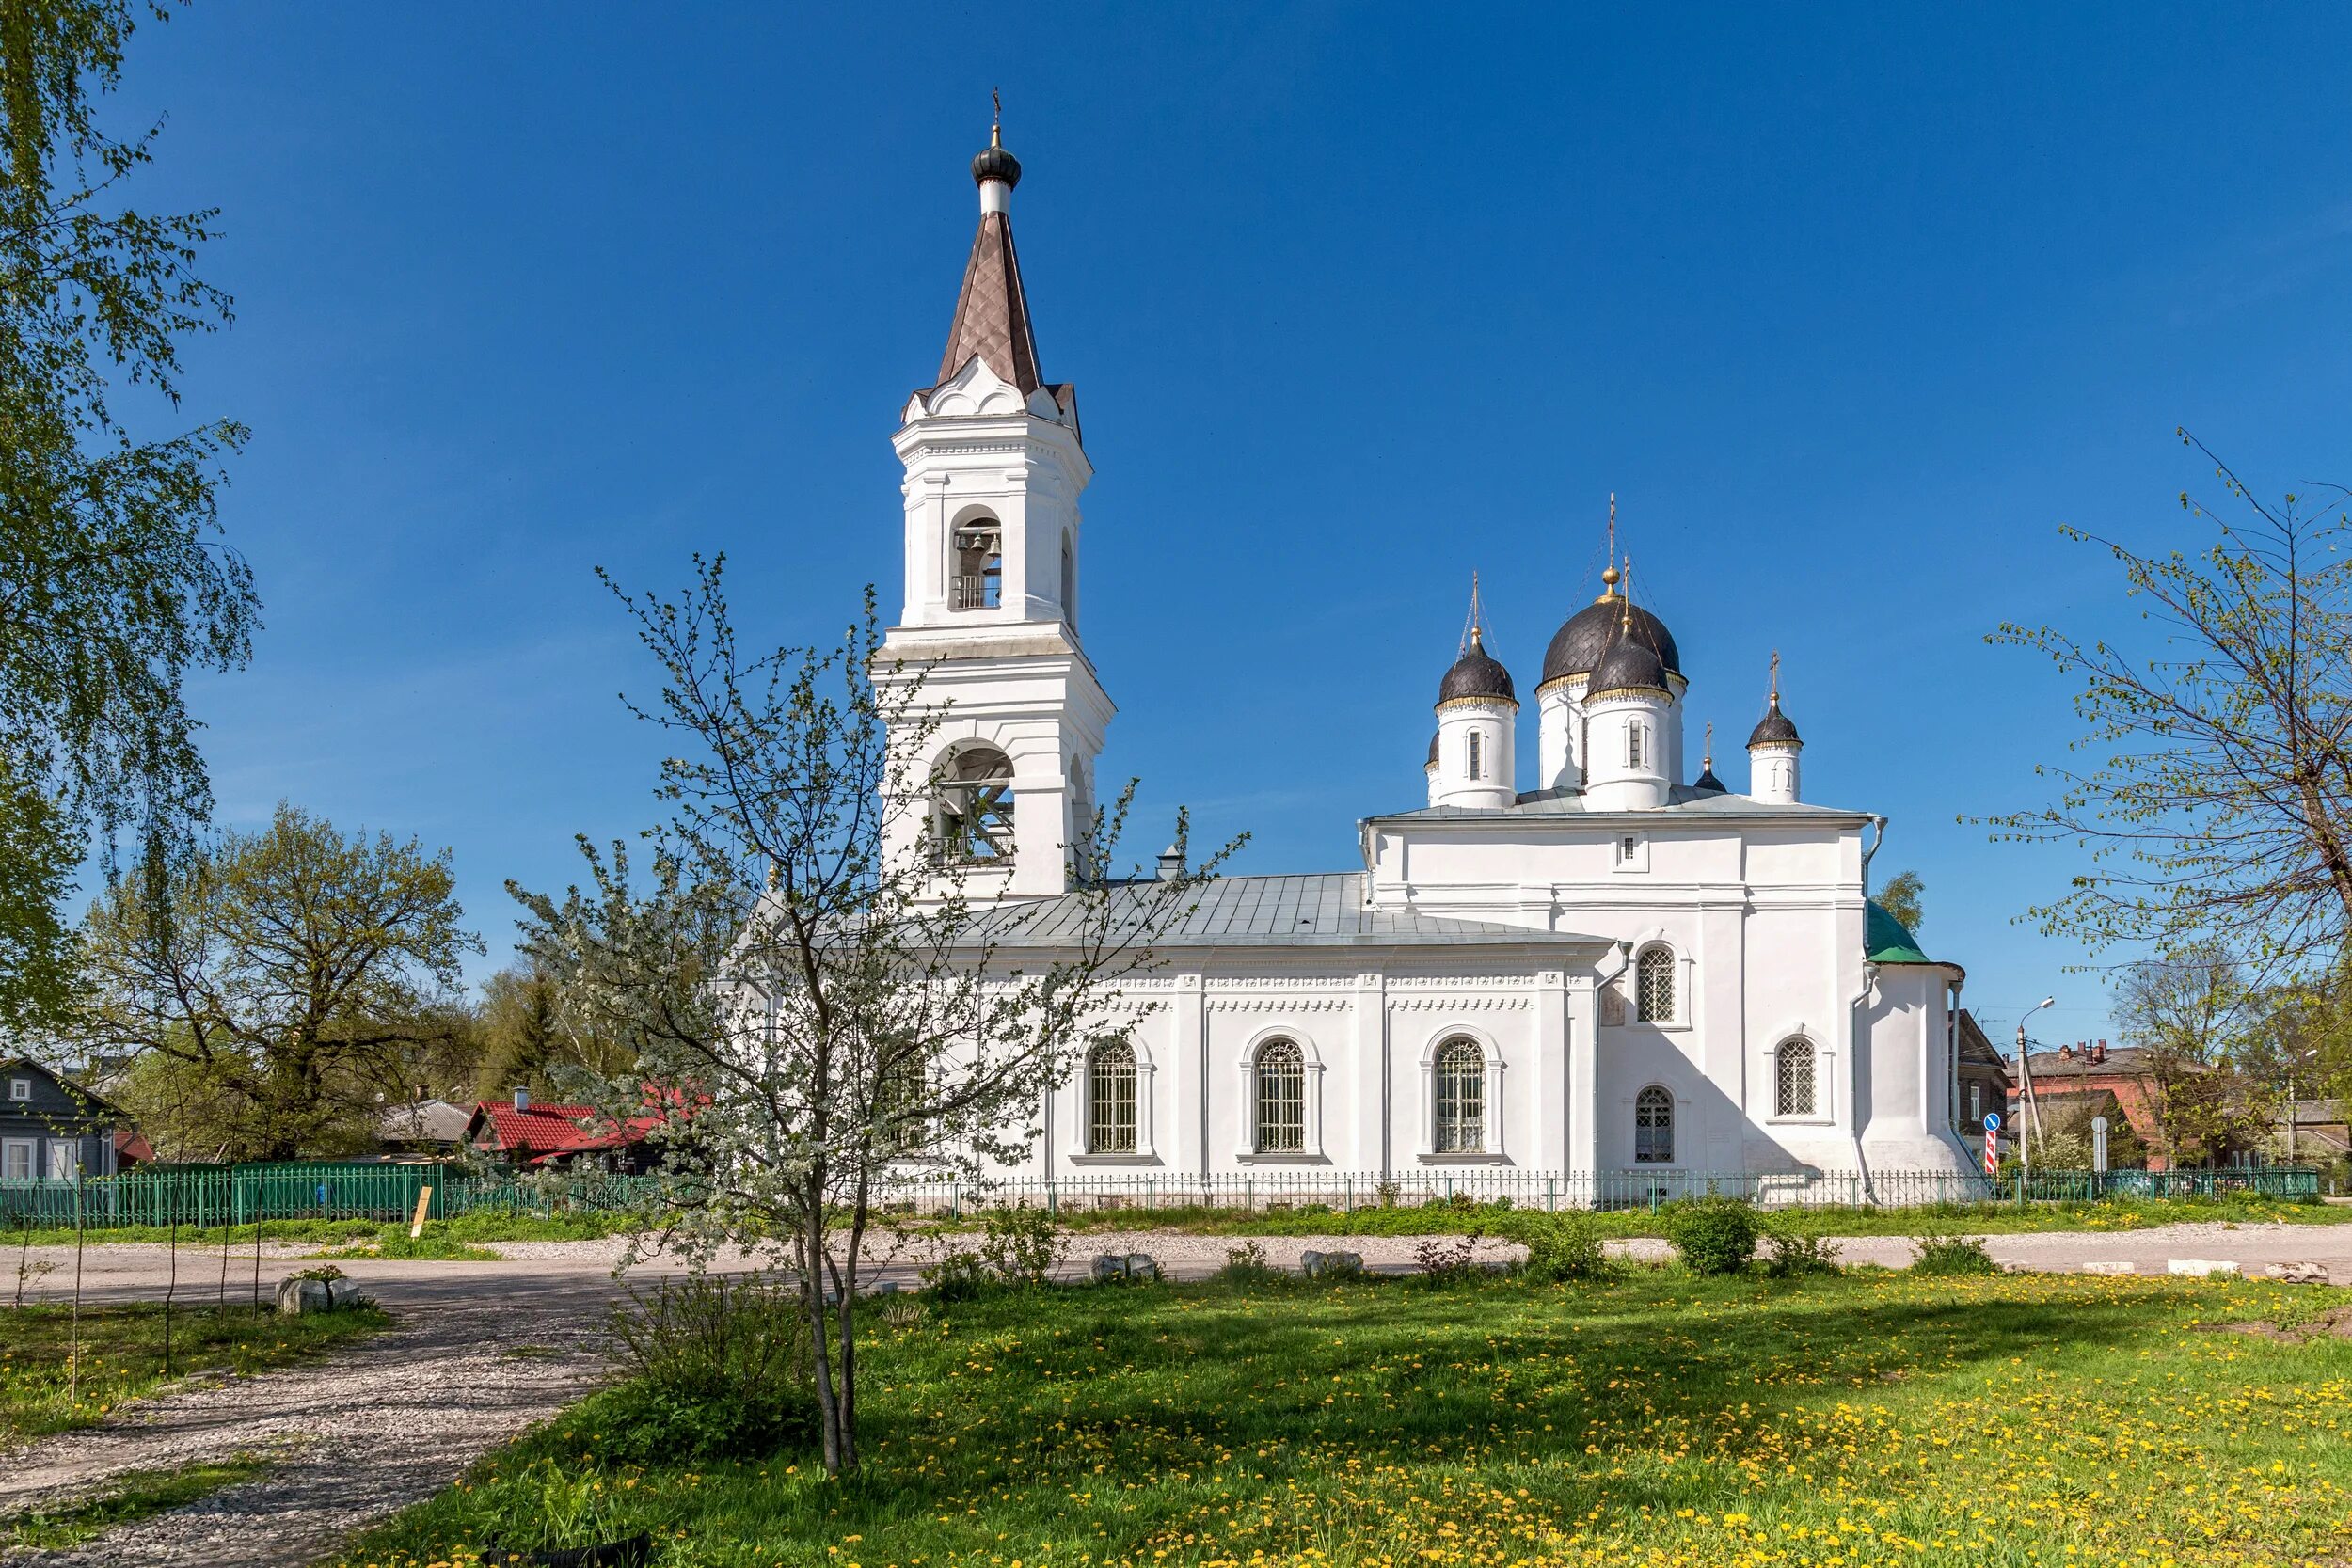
(2031, 1128)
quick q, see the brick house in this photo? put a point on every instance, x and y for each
(2121, 1077)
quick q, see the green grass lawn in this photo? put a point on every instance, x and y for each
(121, 1354)
(1656, 1420)
(2119, 1215)
(127, 1499)
(470, 1229)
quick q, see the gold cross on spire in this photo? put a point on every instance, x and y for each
(1609, 567)
(1707, 762)
(1776, 677)
(996, 121)
(1477, 616)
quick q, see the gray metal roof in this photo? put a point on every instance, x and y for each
(1311, 909)
(1682, 801)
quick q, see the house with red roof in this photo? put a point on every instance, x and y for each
(537, 1135)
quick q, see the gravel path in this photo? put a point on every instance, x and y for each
(481, 1349)
(387, 1423)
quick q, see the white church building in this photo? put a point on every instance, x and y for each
(1628, 976)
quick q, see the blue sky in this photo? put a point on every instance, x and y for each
(1851, 307)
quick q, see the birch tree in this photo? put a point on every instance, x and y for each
(813, 1012)
(2213, 785)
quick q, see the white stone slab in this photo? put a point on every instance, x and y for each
(2110, 1265)
(2201, 1267)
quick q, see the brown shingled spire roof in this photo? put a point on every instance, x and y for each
(992, 313)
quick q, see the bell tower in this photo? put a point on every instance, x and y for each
(990, 622)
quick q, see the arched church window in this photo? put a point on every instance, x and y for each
(1461, 1094)
(980, 579)
(1653, 1127)
(1654, 989)
(897, 1101)
(1281, 1098)
(974, 821)
(1634, 745)
(1112, 1100)
(1477, 754)
(1794, 1087)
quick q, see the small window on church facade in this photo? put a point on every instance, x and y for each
(1069, 584)
(1634, 745)
(1477, 755)
(1654, 997)
(1653, 1127)
(1461, 1095)
(1111, 1100)
(1281, 1098)
(979, 577)
(1794, 1090)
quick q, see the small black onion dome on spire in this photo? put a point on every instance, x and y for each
(995, 163)
(1630, 665)
(1433, 750)
(1584, 639)
(1707, 784)
(1774, 728)
(1475, 675)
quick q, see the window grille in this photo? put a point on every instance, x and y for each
(1461, 1097)
(1281, 1098)
(1653, 1127)
(1476, 759)
(1634, 745)
(1111, 1100)
(900, 1092)
(1793, 1082)
(1655, 996)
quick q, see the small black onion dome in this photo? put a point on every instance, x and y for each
(995, 163)
(1774, 728)
(1577, 648)
(1630, 665)
(1708, 784)
(1433, 750)
(1476, 674)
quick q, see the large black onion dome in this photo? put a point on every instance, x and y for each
(1576, 648)
(995, 163)
(1433, 749)
(1476, 674)
(1630, 665)
(1774, 728)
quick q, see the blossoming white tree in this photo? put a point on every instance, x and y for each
(812, 1015)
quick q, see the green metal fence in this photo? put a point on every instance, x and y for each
(204, 1195)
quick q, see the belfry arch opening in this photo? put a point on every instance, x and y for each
(978, 581)
(972, 810)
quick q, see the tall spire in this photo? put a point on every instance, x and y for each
(992, 313)
(1476, 632)
(1609, 569)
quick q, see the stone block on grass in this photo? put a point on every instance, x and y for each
(2202, 1268)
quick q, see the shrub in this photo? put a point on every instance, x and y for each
(1795, 1252)
(1020, 1245)
(1713, 1235)
(1445, 1259)
(1247, 1264)
(1953, 1255)
(718, 1369)
(1562, 1246)
(959, 1275)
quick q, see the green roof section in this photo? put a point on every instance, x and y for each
(1887, 940)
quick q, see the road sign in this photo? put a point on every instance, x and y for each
(1993, 1122)
(1991, 1144)
(2099, 1143)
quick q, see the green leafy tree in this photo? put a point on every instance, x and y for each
(528, 1038)
(808, 1005)
(2195, 1019)
(114, 581)
(1900, 899)
(2216, 794)
(289, 979)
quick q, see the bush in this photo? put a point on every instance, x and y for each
(1562, 1246)
(718, 1369)
(959, 1275)
(1953, 1255)
(1795, 1252)
(1247, 1264)
(1020, 1245)
(1714, 1235)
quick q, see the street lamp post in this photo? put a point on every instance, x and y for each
(2032, 1118)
